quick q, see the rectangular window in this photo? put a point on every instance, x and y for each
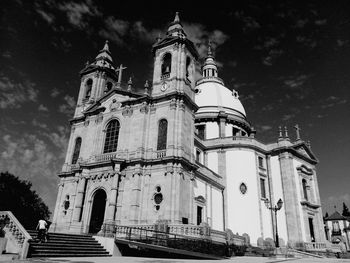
(185, 220)
(311, 227)
(199, 215)
(261, 162)
(262, 188)
(200, 131)
(198, 156)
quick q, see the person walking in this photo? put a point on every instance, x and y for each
(41, 227)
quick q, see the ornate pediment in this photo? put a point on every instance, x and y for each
(305, 151)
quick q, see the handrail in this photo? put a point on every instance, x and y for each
(135, 233)
(17, 234)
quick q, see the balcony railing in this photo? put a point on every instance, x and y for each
(161, 154)
(165, 76)
(16, 234)
(314, 246)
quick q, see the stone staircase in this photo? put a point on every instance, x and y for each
(65, 245)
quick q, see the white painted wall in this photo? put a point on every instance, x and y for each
(275, 174)
(228, 130)
(242, 210)
(213, 161)
(212, 130)
(299, 191)
(217, 209)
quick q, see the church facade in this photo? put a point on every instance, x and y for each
(181, 150)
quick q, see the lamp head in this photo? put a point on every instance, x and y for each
(279, 203)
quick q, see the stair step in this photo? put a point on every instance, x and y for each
(57, 255)
(66, 245)
(55, 244)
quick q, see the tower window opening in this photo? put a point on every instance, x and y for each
(76, 151)
(304, 183)
(88, 88)
(188, 64)
(200, 131)
(166, 65)
(262, 188)
(112, 134)
(162, 134)
(261, 162)
(198, 155)
(109, 86)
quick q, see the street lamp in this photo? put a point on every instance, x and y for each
(275, 209)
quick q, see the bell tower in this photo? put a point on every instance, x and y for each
(97, 79)
(174, 62)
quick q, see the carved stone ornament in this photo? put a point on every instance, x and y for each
(144, 107)
(99, 118)
(86, 123)
(127, 111)
(173, 104)
(114, 105)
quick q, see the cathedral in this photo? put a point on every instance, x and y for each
(181, 150)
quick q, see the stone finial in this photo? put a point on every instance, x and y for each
(177, 18)
(87, 63)
(159, 38)
(280, 134)
(106, 47)
(146, 87)
(308, 144)
(210, 53)
(286, 133)
(297, 131)
(129, 84)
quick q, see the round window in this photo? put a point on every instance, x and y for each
(243, 188)
(158, 198)
(158, 189)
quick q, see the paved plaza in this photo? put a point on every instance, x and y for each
(159, 260)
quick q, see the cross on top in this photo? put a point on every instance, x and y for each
(119, 70)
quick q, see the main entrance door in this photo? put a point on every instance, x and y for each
(98, 211)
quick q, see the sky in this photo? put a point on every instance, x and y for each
(289, 61)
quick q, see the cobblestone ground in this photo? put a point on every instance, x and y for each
(157, 260)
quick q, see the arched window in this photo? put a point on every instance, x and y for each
(304, 189)
(76, 150)
(166, 65)
(162, 134)
(188, 63)
(112, 134)
(88, 88)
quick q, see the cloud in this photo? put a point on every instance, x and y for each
(54, 93)
(200, 36)
(68, 107)
(14, 94)
(115, 30)
(78, 14)
(32, 158)
(332, 101)
(43, 108)
(48, 17)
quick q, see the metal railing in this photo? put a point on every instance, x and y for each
(166, 239)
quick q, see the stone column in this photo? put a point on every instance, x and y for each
(58, 202)
(222, 124)
(291, 204)
(112, 204)
(79, 201)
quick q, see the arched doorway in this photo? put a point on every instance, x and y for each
(98, 211)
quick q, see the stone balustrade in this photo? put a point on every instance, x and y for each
(186, 230)
(161, 154)
(314, 246)
(17, 236)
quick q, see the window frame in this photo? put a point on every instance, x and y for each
(115, 139)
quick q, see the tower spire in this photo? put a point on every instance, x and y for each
(104, 57)
(209, 69)
(175, 28)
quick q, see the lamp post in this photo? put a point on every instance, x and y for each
(275, 209)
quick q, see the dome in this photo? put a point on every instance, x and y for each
(213, 96)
